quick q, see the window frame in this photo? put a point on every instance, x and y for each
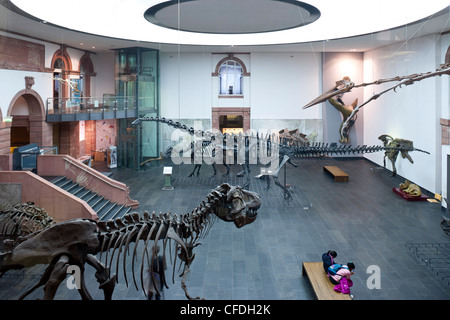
(244, 73)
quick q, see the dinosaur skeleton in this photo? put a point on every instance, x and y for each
(346, 86)
(282, 149)
(76, 242)
(392, 154)
(22, 220)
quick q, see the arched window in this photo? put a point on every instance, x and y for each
(230, 74)
(58, 92)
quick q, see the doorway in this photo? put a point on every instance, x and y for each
(231, 120)
(231, 124)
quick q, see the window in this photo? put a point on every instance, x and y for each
(230, 74)
(58, 92)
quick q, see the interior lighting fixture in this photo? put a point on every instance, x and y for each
(221, 22)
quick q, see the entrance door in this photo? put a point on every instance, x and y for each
(231, 124)
(231, 119)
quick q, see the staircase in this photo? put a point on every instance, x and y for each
(105, 208)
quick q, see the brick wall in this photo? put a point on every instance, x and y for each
(69, 139)
(445, 129)
(90, 137)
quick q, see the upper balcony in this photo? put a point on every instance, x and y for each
(90, 108)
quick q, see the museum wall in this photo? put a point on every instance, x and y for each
(104, 80)
(278, 86)
(337, 65)
(13, 81)
(281, 83)
(412, 112)
(445, 119)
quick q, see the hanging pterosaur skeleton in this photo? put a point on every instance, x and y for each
(346, 86)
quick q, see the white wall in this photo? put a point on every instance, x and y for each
(445, 114)
(104, 67)
(335, 67)
(410, 113)
(185, 82)
(11, 82)
(279, 85)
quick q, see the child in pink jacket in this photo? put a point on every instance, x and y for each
(346, 271)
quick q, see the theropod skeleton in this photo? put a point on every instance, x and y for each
(273, 150)
(77, 242)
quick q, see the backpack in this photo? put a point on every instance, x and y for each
(333, 269)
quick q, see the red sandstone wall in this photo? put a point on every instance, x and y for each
(63, 165)
(59, 204)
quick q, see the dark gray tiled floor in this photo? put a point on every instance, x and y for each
(363, 220)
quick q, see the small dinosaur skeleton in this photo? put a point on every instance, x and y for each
(76, 242)
(397, 146)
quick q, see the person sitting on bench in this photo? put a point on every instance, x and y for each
(344, 271)
(328, 259)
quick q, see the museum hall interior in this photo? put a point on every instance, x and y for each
(227, 150)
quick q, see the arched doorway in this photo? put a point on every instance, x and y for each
(20, 127)
(28, 120)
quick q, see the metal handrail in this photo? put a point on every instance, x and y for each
(90, 104)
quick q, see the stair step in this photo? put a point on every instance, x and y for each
(66, 184)
(108, 211)
(96, 200)
(57, 180)
(83, 195)
(90, 197)
(79, 191)
(117, 211)
(72, 187)
(102, 206)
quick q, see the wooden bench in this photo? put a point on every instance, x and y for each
(322, 286)
(338, 174)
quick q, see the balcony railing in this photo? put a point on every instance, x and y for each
(90, 108)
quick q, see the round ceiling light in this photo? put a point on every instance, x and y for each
(232, 16)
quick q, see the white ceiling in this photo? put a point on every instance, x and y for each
(30, 26)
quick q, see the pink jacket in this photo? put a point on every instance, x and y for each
(342, 272)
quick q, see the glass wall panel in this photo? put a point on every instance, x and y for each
(137, 75)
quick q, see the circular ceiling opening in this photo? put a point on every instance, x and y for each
(232, 16)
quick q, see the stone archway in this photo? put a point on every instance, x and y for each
(40, 131)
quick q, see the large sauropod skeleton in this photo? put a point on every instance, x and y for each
(279, 150)
(71, 243)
